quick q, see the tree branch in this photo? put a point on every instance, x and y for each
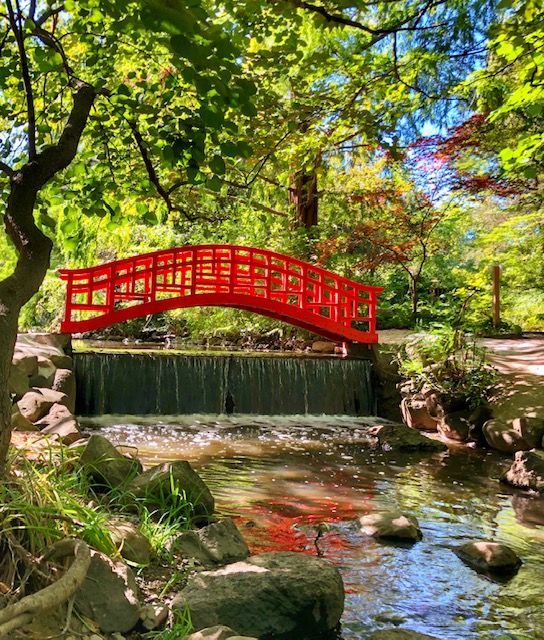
(31, 113)
(6, 169)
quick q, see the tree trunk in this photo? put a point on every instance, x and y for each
(414, 296)
(32, 246)
(304, 197)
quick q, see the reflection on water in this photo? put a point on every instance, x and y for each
(283, 477)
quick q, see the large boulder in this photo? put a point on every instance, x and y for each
(284, 595)
(488, 557)
(399, 634)
(131, 542)
(109, 595)
(61, 423)
(34, 406)
(529, 510)
(323, 346)
(45, 342)
(219, 543)
(106, 465)
(55, 397)
(156, 485)
(520, 434)
(527, 471)
(65, 382)
(391, 525)
(398, 437)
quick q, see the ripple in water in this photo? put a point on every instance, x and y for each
(282, 478)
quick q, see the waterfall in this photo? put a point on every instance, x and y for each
(170, 384)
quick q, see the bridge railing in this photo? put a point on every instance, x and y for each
(238, 276)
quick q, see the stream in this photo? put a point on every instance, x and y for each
(282, 477)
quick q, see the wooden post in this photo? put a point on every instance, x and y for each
(496, 296)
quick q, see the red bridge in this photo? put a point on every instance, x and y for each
(257, 280)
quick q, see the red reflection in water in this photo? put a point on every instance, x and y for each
(284, 524)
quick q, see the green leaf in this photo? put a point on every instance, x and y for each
(217, 165)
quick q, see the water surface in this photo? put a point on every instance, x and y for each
(283, 477)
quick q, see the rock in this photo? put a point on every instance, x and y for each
(218, 632)
(398, 437)
(25, 363)
(154, 616)
(520, 434)
(218, 543)
(17, 382)
(60, 422)
(488, 557)
(55, 397)
(19, 422)
(46, 341)
(155, 486)
(323, 346)
(529, 510)
(34, 406)
(45, 375)
(391, 525)
(65, 382)
(106, 465)
(62, 361)
(131, 542)
(109, 595)
(415, 414)
(455, 426)
(527, 471)
(399, 634)
(283, 595)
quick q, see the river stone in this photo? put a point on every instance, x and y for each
(219, 632)
(455, 426)
(155, 486)
(54, 342)
(17, 382)
(25, 363)
(282, 594)
(60, 422)
(399, 634)
(65, 382)
(415, 414)
(218, 543)
(527, 471)
(391, 525)
(529, 510)
(398, 437)
(33, 405)
(109, 595)
(520, 434)
(106, 465)
(131, 542)
(488, 557)
(154, 616)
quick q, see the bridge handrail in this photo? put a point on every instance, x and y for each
(267, 291)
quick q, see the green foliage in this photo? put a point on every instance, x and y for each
(451, 363)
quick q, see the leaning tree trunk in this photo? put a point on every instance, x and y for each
(32, 246)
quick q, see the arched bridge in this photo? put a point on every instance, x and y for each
(257, 280)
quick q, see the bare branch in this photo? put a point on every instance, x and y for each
(16, 27)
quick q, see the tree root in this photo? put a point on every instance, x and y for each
(20, 613)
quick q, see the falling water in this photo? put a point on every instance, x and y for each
(166, 384)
